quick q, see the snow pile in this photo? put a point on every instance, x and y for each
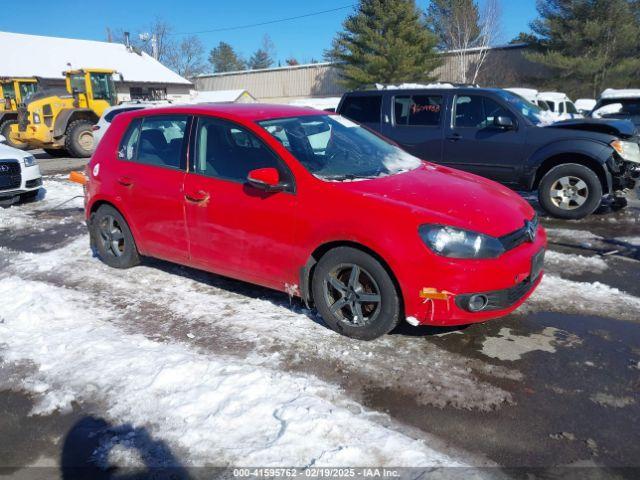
(412, 86)
(220, 410)
(564, 263)
(559, 295)
(56, 189)
(317, 103)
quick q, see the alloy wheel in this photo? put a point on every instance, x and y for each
(569, 192)
(352, 294)
(111, 236)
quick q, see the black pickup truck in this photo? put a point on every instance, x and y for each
(573, 164)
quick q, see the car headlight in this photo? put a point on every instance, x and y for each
(458, 243)
(36, 118)
(629, 151)
(29, 161)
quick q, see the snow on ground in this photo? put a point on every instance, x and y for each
(217, 409)
(56, 190)
(565, 263)
(557, 294)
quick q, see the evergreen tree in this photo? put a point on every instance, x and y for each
(385, 41)
(223, 58)
(264, 56)
(589, 45)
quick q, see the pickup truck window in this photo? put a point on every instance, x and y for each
(474, 111)
(365, 109)
(417, 110)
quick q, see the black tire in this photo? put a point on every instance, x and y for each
(564, 187)
(5, 130)
(378, 318)
(76, 134)
(56, 152)
(118, 250)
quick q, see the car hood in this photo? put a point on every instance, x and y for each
(7, 152)
(618, 128)
(443, 195)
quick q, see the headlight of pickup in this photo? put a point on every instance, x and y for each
(457, 243)
(29, 161)
(629, 151)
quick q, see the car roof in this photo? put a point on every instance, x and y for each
(469, 90)
(553, 95)
(621, 93)
(244, 111)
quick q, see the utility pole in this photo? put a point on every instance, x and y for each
(145, 37)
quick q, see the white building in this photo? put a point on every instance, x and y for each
(143, 77)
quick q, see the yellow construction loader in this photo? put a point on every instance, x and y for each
(61, 122)
(13, 91)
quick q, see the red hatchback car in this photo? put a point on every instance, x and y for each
(314, 205)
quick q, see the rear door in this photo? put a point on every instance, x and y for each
(151, 171)
(235, 228)
(474, 144)
(415, 122)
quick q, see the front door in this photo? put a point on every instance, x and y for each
(150, 179)
(474, 144)
(234, 228)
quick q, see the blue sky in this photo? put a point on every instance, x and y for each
(304, 39)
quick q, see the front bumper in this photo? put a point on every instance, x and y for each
(506, 281)
(37, 136)
(31, 180)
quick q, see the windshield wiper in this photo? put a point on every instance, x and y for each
(347, 176)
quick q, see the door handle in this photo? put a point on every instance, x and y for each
(199, 198)
(125, 181)
(454, 137)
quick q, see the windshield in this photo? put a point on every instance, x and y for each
(334, 148)
(103, 87)
(532, 112)
(630, 109)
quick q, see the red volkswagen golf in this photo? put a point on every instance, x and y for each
(314, 205)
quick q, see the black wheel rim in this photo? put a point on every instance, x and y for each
(352, 295)
(111, 236)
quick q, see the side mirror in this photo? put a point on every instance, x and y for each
(267, 179)
(2, 139)
(503, 122)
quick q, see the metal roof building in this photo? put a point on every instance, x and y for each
(47, 57)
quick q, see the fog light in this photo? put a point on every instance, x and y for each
(477, 302)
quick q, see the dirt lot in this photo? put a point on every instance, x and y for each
(84, 379)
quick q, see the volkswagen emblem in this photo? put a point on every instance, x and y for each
(4, 168)
(530, 228)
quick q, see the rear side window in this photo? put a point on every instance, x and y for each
(228, 151)
(417, 110)
(109, 116)
(561, 107)
(364, 109)
(155, 141)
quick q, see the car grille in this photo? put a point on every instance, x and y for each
(525, 234)
(33, 183)
(10, 175)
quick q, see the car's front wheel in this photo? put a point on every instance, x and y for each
(354, 294)
(570, 191)
(112, 238)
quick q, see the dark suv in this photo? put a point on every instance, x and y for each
(497, 134)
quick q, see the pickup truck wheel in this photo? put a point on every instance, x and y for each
(570, 191)
(5, 130)
(354, 294)
(79, 139)
(112, 238)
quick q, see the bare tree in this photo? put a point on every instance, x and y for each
(185, 58)
(465, 32)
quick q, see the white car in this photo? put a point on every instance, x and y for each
(530, 95)
(585, 105)
(560, 104)
(110, 113)
(19, 173)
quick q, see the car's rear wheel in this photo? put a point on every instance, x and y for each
(354, 294)
(570, 191)
(5, 130)
(112, 238)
